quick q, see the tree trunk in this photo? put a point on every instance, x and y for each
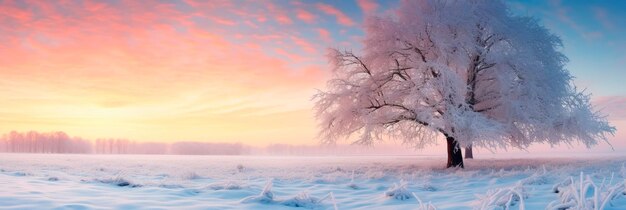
(468, 152)
(455, 159)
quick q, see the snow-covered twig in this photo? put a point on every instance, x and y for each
(564, 183)
(332, 198)
(266, 195)
(423, 206)
(352, 184)
(575, 198)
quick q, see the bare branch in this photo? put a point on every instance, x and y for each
(489, 108)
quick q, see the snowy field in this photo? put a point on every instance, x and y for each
(39, 181)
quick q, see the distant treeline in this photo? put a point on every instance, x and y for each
(35, 142)
(60, 142)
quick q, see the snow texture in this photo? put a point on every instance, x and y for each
(49, 181)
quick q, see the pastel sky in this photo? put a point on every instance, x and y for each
(229, 71)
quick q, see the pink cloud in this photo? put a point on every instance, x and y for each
(251, 24)
(280, 15)
(305, 16)
(266, 37)
(290, 56)
(283, 19)
(261, 18)
(223, 21)
(324, 34)
(368, 6)
(342, 18)
(110, 45)
(209, 5)
(304, 45)
(11, 12)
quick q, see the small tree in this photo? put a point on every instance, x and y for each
(467, 70)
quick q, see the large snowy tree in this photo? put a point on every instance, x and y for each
(469, 71)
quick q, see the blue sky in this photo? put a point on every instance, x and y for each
(594, 39)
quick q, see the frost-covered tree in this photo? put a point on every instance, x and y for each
(469, 71)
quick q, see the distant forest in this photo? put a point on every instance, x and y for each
(60, 142)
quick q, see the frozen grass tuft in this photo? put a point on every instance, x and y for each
(118, 181)
(19, 173)
(303, 199)
(375, 175)
(423, 206)
(226, 185)
(398, 191)
(502, 198)
(353, 186)
(428, 187)
(190, 176)
(266, 195)
(537, 178)
(586, 195)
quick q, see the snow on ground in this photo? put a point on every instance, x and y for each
(46, 181)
